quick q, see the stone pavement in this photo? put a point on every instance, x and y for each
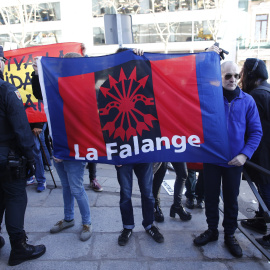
(101, 252)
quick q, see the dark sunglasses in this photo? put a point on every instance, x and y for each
(3, 59)
(228, 76)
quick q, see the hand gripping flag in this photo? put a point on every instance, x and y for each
(19, 68)
(124, 108)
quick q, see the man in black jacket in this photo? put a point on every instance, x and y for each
(16, 164)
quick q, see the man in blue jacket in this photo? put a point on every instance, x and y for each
(244, 133)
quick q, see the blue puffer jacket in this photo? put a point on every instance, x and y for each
(243, 125)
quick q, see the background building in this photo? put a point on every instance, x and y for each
(241, 27)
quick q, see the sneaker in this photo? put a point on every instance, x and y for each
(206, 237)
(61, 225)
(200, 204)
(155, 234)
(124, 237)
(41, 187)
(86, 232)
(48, 168)
(233, 246)
(95, 185)
(31, 181)
(190, 203)
(254, 224)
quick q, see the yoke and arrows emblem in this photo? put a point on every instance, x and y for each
(125, 98)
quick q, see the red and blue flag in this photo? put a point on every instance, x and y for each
(124, 108)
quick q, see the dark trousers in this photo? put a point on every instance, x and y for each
(144, 174)
(13, 201)
(92, 168)
(264, 191)
(195, 187)
(180, 169)
(230, 188)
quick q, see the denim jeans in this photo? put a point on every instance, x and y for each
(40, 176)
(71, 176)
(92, 168)
(194, 187)
(144, 173)
(230, 177)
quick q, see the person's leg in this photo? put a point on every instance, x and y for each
(231, 178)
(179, 185)
(92, 168)
(212, 184)
(75, 172)
(125, 180)
(144, 173)
(67, 196)
(199, 191)
(15, 201)
(39, 174)
(43, 143)
(180, 169)
(189, 184)
(212, 181)
(264, 191)
(157, 181)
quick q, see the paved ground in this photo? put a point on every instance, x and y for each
(101, 251)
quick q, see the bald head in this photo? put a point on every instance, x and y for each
(230, 75)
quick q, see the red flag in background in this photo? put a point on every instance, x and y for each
(19, 68)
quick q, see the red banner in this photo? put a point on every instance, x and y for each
(19, 68)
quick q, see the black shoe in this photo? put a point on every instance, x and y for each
(264, 241)
(180, 210)
(124, 237)
(2, 241)
(200, 204)
(206, 237)
(255, 224)
(190, 203)
(232, 244)
(22, 252)
(155, 234)
(159, 217)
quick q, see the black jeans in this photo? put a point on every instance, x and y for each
(179, 184)
(13, 201)
(231, 178)
(92, 167)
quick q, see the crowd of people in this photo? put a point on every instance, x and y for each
(247, 113)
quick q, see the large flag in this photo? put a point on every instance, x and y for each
(19, 68)
(124, 108)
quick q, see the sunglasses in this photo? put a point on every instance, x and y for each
(229, 76)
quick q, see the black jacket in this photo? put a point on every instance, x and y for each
(15, 132)
(262, 154)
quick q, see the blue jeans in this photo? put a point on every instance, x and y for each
(144, 173)
(39, 162)
(71, 176)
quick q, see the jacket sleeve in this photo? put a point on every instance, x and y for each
(18, 120)
(253, 129)
(36, 86)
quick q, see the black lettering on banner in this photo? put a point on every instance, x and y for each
(18, 65)
(29, 61)
(27, 80)
(39, 104)
(13, 79)
(29, 103)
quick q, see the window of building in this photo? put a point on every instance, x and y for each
(34, 12)
(261, 28)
